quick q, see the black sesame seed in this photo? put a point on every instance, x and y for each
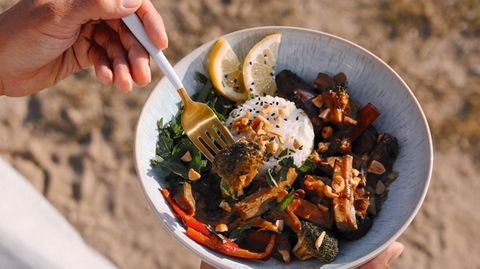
(264, 55)
(226, 76)
(271, 74)
(268, 118)
(236, 88)
(264, 94)
(251, 89)
(250, 63)
(285, 119)
(250, 110)
(296, 118)
(235, 80)
(256, 103)
(253, 82)
(273, 114)
(257, 111)
(277, 126)
(259, 98)
(276, 103)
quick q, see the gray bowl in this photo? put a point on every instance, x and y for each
(307, 52)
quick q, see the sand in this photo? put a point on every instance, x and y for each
(74, 141)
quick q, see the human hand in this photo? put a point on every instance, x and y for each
(44, 41)
(382, 261)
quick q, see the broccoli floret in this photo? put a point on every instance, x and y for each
(307, 243)
(238, 164)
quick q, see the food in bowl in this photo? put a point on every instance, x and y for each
(307, 171)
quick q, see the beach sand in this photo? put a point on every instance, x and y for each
(74, 141)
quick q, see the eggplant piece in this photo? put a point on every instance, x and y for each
(288, 82)
(364, 224)
(323, 81)
(385, 151)
(366, 141)
(283, 247)
(295, 89)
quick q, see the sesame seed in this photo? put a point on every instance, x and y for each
(250, 63)
(264, 94)
(277, 126)
(226, 76)
(276, 103)
(285, 119)
(253, 82)
(271, 74)
(273, 114)
(256, 103)
(257, 111)
(264, 62)
(296, 118)
(264, 55)
(268, 118)
(235, 80)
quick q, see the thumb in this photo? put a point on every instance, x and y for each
(88, 10)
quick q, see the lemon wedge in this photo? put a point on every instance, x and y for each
(258, 66)
(225, 71)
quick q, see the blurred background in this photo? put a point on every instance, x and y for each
(74, 141)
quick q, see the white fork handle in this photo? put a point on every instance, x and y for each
(136, 27)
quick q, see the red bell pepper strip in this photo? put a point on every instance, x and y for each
(367, 116)
(188, 220)
(228, 247)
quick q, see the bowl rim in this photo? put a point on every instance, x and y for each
(352, 264)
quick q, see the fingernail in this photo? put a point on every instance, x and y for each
(130, 3)
(149, 74)
(394, 258)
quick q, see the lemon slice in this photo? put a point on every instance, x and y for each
(258, 66)
(226, 71)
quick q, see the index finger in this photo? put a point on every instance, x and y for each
(153, 23)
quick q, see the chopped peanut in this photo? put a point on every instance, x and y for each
(327, 132)
(296, 143)
(376, 167)
(193, 175)
(221, 228)
(272, 146)
(324, 114)
(319, 240)
(323, 147)
(318, 101)
(266, 109)
(349, 120)
(225, 206)
(328, 192)
(187, 157)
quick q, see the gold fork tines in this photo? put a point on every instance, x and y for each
(203, 127)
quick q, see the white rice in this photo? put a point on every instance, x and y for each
(294, 124)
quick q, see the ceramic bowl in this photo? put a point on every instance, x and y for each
(307, 52)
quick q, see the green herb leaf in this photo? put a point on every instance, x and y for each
(173, 166)
(286, 201)
(307, 167)
(225, 188)
(283, 153)
(216, 234)
(270, 180)
(235, 234)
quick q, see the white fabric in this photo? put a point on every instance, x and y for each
(33, 234)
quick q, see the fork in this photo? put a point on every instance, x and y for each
(199, 122)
